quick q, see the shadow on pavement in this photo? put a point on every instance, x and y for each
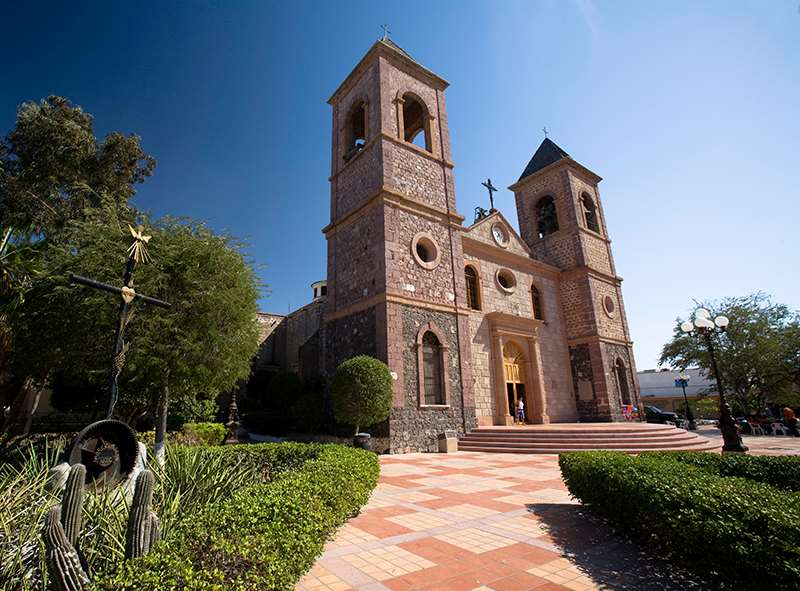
(611, 561)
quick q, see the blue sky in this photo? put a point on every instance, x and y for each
(689, 110)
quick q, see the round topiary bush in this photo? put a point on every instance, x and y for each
(362, 391)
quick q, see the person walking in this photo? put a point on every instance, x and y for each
(521, 412)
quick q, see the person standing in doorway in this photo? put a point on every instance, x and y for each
(521, 412)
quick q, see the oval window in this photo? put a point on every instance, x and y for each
(425, 250)
(506, 280)
(608, 305)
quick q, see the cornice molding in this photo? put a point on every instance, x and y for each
(394, 298)
(391, 196)
(380, 49)
(478, 248)
(555, 166)
(599, 339)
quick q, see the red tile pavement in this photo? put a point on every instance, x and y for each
(456, 522)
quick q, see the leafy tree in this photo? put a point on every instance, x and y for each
(362, 391)
(200, 347)
(54, 170)
(758, 355)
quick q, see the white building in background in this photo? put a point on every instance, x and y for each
(658, 387)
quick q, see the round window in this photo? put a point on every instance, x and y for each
(500, 235)
(608, 305)
(425, 250)
(506, 280)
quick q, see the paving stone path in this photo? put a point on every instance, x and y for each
(481, 522)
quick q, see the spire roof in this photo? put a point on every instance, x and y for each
(547, 154)
(387, 41)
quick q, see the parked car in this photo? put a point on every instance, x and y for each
(656, 415)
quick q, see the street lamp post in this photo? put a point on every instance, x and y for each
(706, 329)
(683, 381)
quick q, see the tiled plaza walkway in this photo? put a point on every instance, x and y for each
(484, 522)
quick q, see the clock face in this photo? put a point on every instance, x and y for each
(500, 235)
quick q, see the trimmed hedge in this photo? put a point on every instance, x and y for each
(267, 534)
(778, 471)
(744, 533)
(201, 434)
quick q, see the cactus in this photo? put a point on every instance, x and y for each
(155, 530)
(63, 526)
(63, 563)
(140, 535)
(72, 503)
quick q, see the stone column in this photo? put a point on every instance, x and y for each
(538, 381)
(501, 415)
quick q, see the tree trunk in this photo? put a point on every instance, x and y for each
(20, 407)
(34, 402)
(161, 422)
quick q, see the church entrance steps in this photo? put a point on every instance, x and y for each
(548, 439)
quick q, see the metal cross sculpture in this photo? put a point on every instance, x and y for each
(386, 31)
(488, 184)
(544, 129)
(137, 253)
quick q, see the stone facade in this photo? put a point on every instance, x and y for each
(398, 258)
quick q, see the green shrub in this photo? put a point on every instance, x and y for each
(202, 434)
(778, 471)
(265, 536)
(744, 533)
(308, 413)
(362, 391)
(195, 480)
(191, 410)
(283, 390)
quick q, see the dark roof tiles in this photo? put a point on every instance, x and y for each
(547, 154)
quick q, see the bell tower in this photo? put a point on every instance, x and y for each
(395, 261)
(561, 219)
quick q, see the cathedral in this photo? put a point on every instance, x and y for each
(473, 321)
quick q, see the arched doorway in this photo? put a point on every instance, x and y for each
(622, 381)
(514, 371)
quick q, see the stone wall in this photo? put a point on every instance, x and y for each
(561, 248)
(412, 428)
(552, 337)
(404, 274)
(356, 260)
(584, 384)
(272, 341)
(349, 336)
(612, 353)
(301, 325)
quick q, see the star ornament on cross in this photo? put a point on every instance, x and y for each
(137, 253)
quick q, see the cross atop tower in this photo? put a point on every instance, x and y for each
(544, 129)
(386, 31)
(488, 184)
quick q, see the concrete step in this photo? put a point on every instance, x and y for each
(572, 446)
(577, 438)
(632, 450)
(573, 437)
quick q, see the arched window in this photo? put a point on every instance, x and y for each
(590, 213)
(356, 132)
(536, 300)
(432, 369)
(622, 381)
(416, 124)
(546, 218)
(473, 295)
